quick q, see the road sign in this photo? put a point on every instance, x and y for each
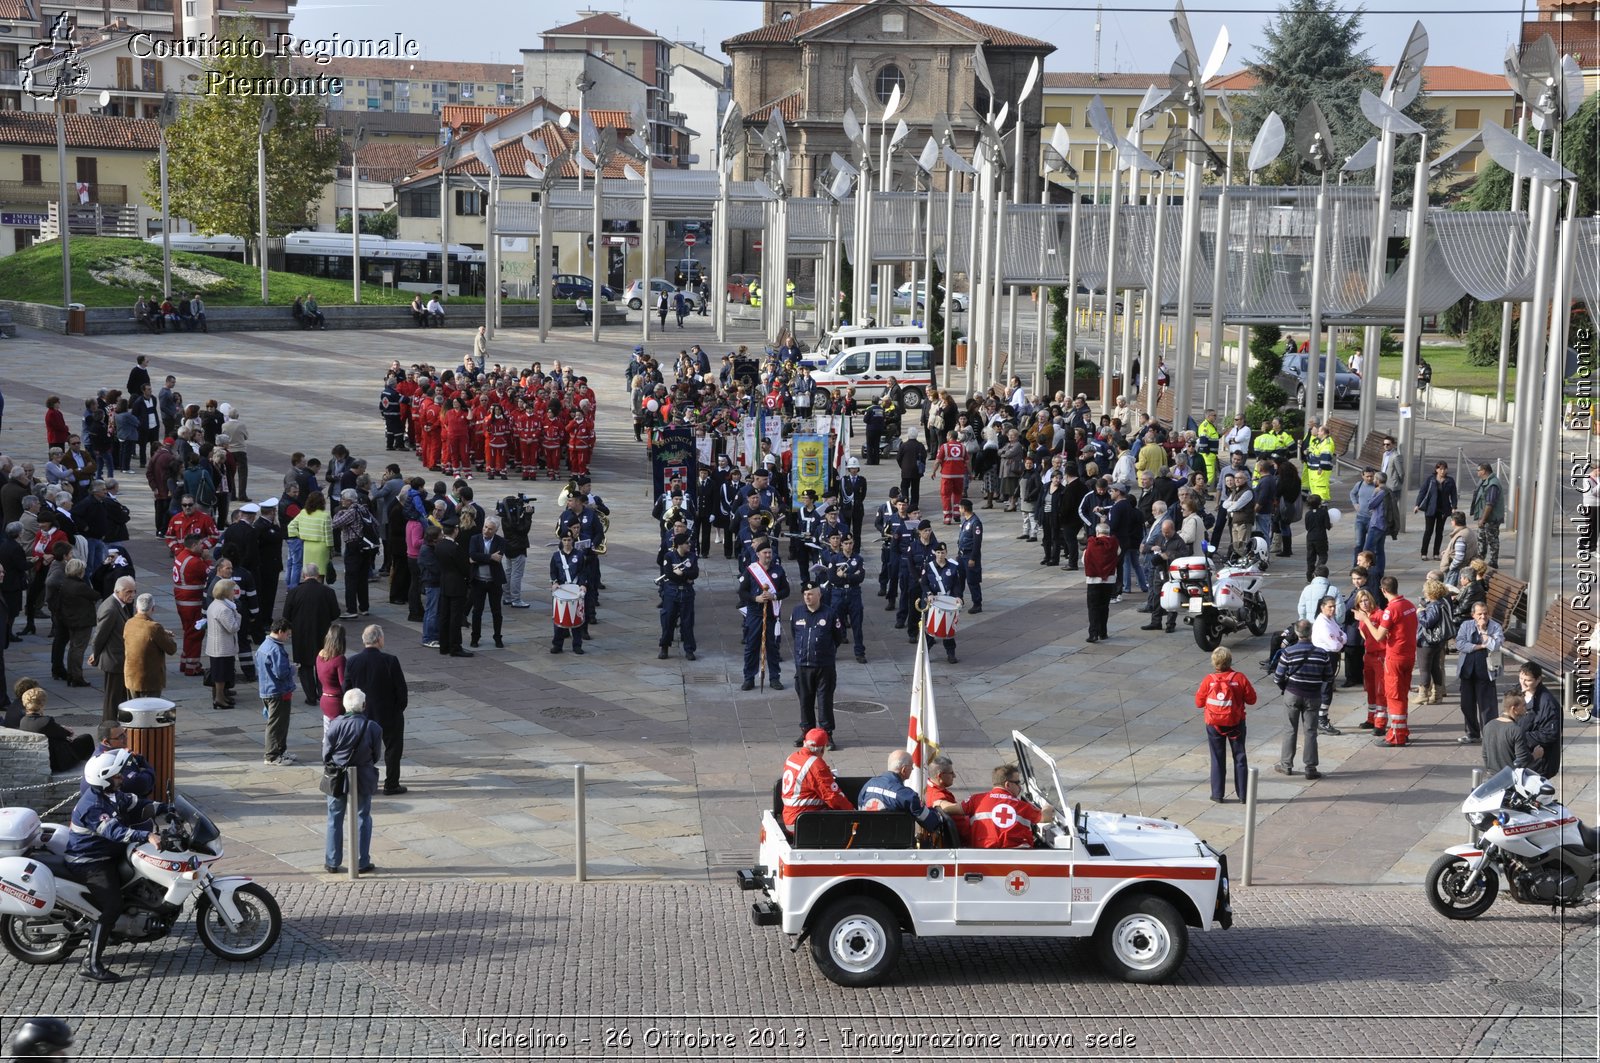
(756, 246)
(689, 239)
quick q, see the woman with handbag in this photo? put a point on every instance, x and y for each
(351, 741)
(1434, 632)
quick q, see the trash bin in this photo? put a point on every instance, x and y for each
(150, 734)
(961, 353)
(77, 320)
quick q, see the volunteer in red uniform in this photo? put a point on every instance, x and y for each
(580, 442)
(1395, 628)
(190, 520)
(498, 438)
(1001, 819)
(457, 458)
(432, 435)
(189, 594)
(938, 795)
(1373, 661)
(808, 782)
(522, 428)
(950, 469)
(553, 436)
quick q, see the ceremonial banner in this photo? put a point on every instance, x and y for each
(809, 466)
(673, 457)
(922, 730)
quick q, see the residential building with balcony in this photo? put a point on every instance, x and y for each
(106, 162)
(136, 84)
(414, 86)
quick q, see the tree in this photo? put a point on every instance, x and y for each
(1266, 362)
(211, 149)
(1311, 53)
(385, 224)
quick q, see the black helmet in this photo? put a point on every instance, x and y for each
(43, 1037)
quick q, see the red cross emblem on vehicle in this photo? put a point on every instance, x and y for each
(1005, 817)
(1016, 883)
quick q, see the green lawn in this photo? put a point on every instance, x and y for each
(108, 271)
(1452, 370)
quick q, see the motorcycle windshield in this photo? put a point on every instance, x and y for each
(1488, 796)
(200, 827)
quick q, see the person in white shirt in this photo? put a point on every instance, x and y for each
(1237, 439)
(1326, 634)
(435, 311)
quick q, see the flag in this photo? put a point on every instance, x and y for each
(922, 730)
(83, 191)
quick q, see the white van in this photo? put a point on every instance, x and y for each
(868, 369)
(860, 336)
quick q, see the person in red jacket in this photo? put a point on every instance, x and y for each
(1373, 661)
(1223, 695)
(1100, 563)
(432, 434)
(580, 443)
(1394, 630)
(189, 595)
(457, 459)
(190, 520)
(56, 432)
(497, 437)
(1002, 818)
(950, 468)
(808, 782)
(552, 437)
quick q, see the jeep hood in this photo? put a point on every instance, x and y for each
(1141, 838)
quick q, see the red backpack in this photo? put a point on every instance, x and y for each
(1224, 703)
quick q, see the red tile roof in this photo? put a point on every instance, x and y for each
(788, 106)
(788, 32)
(382, 162)
(603, 24)
(38, 129)
(17, 9)
(465, 115)
(1434, 79)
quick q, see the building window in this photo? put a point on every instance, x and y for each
(1133, 116)
(1511, 118)
(150, 75)
(31, 174)
(188, 8)
(1064, 116)
(419, 203)
(1091, 157)
(470, 202)
(894, 22)
(1468, 118)
(889, 78)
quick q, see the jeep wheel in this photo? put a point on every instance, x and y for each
(1142, 939)
(856, 942)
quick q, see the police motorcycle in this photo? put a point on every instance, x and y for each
(1547, 855)
(45, 912)
(1219, 599)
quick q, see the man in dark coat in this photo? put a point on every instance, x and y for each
(453, 587)
(310, 609)
(269, 557)
(380, 677)
(1541, 725)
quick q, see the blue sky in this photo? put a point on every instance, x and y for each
(1129, 41)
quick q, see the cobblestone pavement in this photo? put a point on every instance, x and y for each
(623, 971)
(679, 762)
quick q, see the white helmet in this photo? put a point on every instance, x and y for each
(103, 768)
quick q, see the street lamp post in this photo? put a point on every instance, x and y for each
(64, 227)
(357, 140)
(269, 118)
(583, 85)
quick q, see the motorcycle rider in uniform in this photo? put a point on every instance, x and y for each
(105, 820)
(679, 569)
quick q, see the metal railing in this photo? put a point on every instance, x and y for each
(38, 193)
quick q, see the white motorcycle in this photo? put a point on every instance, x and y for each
(1218, 599)
(45, 911)
(1547, 855)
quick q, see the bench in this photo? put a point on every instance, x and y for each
(1505, 597)
(1342, 432)
(1370, 456)
(855, 830)
(1565, 634)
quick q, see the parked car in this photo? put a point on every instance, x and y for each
(956, 302)
(572, 285)
(634, 296)
(1296, 377)
(739, 286)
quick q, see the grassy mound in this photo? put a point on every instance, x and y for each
(108, 271)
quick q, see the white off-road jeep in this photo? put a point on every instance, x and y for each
(854, 883)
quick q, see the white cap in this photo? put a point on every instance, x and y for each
(268, 503)
(249, 507)
(852, 463)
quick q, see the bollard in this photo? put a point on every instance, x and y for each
(1250, 827)
(1477, 781)
(580, 859)
(1485, 429)
(352, 824)
(1455, 408)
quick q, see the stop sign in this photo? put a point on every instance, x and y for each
(689, 239)
(756, 246)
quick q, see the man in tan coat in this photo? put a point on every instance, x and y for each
(146, 645)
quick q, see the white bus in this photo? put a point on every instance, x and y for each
(414, 264)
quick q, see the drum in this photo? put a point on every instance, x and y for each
(566, 606)
(942, 613)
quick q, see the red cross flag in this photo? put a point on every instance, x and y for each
(83, 191)
(922, 730)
